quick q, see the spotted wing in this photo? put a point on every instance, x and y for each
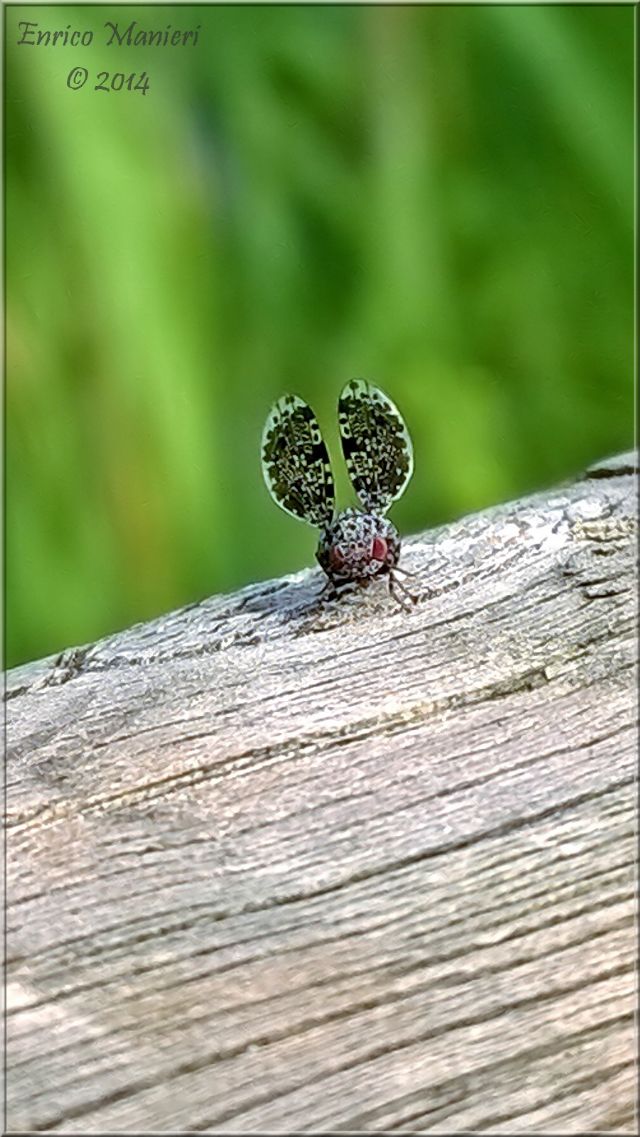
(295, 462)
(376, 445)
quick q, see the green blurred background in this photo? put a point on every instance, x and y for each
(437, 198)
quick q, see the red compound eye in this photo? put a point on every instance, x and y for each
(378, 549)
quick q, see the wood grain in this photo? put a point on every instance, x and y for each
(281, 866)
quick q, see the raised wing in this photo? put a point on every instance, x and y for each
(295, 462)
(376, 445)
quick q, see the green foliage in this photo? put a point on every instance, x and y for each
(436, 198)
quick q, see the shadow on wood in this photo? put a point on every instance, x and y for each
(279, 866)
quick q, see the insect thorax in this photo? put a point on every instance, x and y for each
(358, 545)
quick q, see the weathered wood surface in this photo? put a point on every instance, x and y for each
(274, 867)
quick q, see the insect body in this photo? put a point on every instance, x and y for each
(356, 544)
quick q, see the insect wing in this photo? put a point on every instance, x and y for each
(295, 462)
(376, 444)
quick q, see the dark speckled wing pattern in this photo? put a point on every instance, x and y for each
(295, 462)
(376, 445)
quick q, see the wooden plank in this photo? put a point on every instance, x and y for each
(279, 866)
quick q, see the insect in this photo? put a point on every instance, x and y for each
(355, 545)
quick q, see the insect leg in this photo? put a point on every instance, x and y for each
(396, 586)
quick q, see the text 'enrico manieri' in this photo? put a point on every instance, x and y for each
(117, 35)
